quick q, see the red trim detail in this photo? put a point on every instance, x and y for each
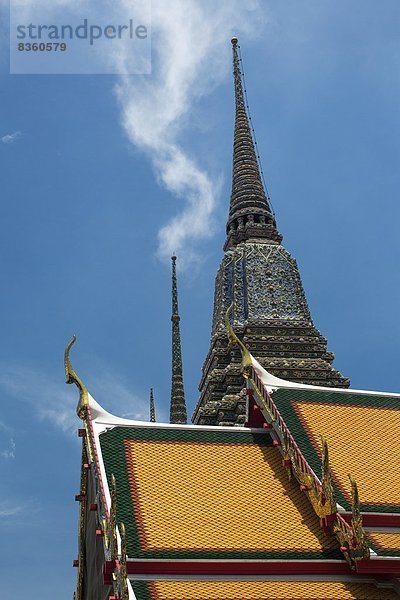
(99, 533)
(303, 488)
(81, 433)
(267, 425)
(287, 462)
(75, 563)
(256, 418)
(378, 566)
(327, 522)
(249, 392)
(86, 466)
(80, 498)
(93, 507)
(205, 567)
(276, 443)
(109, 567)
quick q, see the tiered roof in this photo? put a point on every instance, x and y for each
(258, 590)
(362, 430)
(191, 512)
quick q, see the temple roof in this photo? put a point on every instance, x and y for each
(190, 492)
(186, 511)
(362, 429)
(259, 590)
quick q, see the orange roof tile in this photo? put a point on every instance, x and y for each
(261, 590)
(362, 432)
(190, 496)
(227, 494)
(385, 542)
(353, 450)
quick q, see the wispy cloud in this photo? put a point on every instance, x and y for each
(9, 452)
(6, 442)
(10, 138)
(115, 396)
(55, 402)
(190, 57)
(51, 401)
(8, 510)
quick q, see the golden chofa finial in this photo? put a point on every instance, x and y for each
(72, 377)
(247, 363)
(234, 41)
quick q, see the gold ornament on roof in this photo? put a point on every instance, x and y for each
(83, 403)
(123, 570)
(234, 340)
(113, 520)
(327, 497)
(352, 537)
(72, 377)
(360, 539)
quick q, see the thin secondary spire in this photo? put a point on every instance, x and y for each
(152, 407)
(250, 215)
(178, 406)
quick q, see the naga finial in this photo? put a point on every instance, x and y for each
(326, 479)
(355, 499)
(247, 363)
(123, 567)
(72, 377)
(113, 519)
(360, 539)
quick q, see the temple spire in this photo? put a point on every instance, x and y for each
(178, 406)
(152, 407)
(250, 215)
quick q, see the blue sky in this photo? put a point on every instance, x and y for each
(85, 195)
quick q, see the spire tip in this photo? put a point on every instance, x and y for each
(234, 41)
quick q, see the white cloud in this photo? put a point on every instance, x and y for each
(7, 443)
(55, 402)
(8, 510)
(116, 397)
(10, 138)
(190, 57)
(9, 452)
(50, 401)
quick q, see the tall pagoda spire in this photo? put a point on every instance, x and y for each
(152, 407)
(250, 215)
(260, 278)
(178, 406)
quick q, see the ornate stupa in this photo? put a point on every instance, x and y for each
(262, 281)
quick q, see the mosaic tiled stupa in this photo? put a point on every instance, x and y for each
(259, 276)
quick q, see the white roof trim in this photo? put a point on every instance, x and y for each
(273, 383)
(103, 420)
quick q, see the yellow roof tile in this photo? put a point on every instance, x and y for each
(353, 449)
(385, 541)
(218, 496)
(267, 590)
